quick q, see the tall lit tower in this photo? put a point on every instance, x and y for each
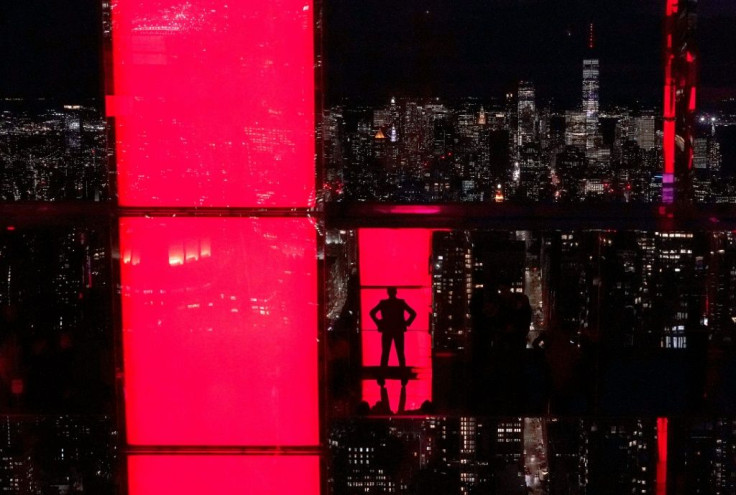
(680, 86)
(591, 87)
(527, 113)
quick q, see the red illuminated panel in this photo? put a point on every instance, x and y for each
(409, 209)
(223, 475)
(669, 146)
(692, 102)
(395, 257)
(672, 7)
(219, 331)
(214, 102)
(662, 456)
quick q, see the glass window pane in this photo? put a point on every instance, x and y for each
(220, 331)
(217, 98)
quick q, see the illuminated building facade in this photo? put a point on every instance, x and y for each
(591, 88)
(526, 113)
(208, 301)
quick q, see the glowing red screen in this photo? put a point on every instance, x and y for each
(216, 96)
(397, 257)
(220, 331)
(222, 474)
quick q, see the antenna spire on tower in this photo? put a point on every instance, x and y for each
(591, 38)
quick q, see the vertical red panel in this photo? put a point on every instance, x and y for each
(693, 100)
(672, 7)
(400, 258)
(662, 456)
(214, 102)
(668, 131)
(220, 331)
(223, 475)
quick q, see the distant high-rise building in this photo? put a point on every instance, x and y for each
(527, 113)
(482, 116)
(644, 132)
(452, 277)
(591, 87)
(575, 129)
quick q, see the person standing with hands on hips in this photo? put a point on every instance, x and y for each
(392, 325)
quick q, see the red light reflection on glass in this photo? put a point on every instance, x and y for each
(222, 474)
(397, 257)
(692, 102)
(669, 146)
(416, 392)
(216, 96)
(220, 331)
(672, 7)
(662, 456)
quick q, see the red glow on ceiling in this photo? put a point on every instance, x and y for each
(223, 474)
(217, 97)
(220, 331)
(409, 209)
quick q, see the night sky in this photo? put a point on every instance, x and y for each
(378, 48)
(50, 48)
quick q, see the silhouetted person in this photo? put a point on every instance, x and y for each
(392, 325)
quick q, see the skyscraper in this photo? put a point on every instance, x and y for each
(527, 113)
(644, 132)
(590, 100)
(591, 88)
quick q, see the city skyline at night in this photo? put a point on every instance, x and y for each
(346, 248)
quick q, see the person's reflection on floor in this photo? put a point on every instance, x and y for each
(500, 323)
(392, 325)
(511, 327)
(383, 406)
